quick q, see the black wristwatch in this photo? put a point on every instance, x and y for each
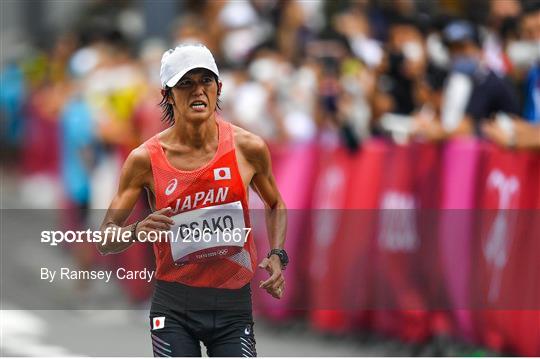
(134, 237)
(283, 257)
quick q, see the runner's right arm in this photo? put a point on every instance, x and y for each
(135, 175)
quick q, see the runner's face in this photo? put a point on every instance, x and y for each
(195, 95)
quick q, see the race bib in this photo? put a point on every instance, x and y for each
(208, 233)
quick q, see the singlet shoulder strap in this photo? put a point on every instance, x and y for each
(155, 151)
(226, 136)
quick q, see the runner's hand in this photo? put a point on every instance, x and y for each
(156, 222)
(275, 285)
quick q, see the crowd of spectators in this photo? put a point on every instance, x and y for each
(291, 71)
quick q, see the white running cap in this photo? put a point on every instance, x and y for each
(176, 62)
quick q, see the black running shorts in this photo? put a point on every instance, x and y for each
(182, 316)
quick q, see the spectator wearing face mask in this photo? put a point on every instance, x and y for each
(405, 63)
(517, 132)
(500, 13)
(490, 93)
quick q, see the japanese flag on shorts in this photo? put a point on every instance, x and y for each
(158, 323)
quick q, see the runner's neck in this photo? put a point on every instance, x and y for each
(195, 135)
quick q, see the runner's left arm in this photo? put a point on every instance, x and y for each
(263, 182)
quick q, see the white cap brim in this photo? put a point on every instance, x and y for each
(174, 80)
(175, 63)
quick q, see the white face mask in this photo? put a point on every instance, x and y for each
(523, 54)
(84, 61)
(436, 51)
(264, 70)
(412, 50)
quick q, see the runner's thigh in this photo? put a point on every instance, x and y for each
(233, 335)
(170, 338)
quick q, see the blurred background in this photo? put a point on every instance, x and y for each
(424, 113)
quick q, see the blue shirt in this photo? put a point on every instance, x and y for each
(532, 95)
(77, 136)
(12, 97)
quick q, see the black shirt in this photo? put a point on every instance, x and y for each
(491, 94)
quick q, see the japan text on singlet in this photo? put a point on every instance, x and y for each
(210, 243)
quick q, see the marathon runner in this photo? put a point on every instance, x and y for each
(197, 174)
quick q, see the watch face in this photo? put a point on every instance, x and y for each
(284, 257)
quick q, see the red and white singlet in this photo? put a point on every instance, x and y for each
(210, 198)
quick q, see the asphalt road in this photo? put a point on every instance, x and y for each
(125, 333)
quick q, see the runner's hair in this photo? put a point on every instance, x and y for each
(167, 111)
